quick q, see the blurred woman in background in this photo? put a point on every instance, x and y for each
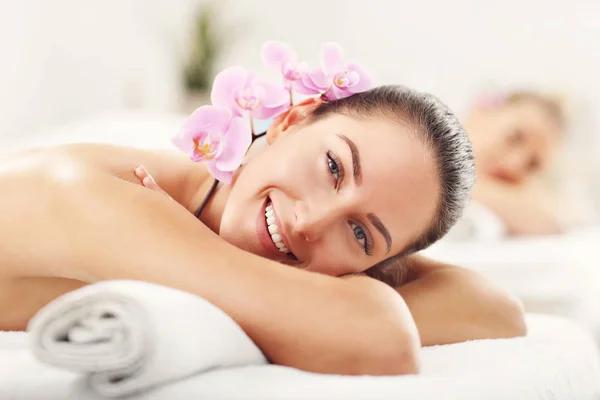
(515, 138)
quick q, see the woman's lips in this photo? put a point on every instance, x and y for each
(503, 176)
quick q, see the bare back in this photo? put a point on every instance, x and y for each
(27, 182)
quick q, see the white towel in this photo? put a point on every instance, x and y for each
(130, 336)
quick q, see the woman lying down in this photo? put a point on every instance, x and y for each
(310, 247)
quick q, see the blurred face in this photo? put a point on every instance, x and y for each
(513, 142)
(334, 196)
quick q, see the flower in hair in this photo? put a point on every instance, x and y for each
(243, 92)
(220, 134)
(282, 57)
(217, 136)
(335, 79)
(490, 100)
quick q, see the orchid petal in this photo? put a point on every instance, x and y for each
(353, 78)
(332, 58)
(301, 88)
(365, 82)
(237, 140)
(204, 119)
(183, 143)
(320, 80)
(207, 118)
(274, 94)
(336, 93)
(225, 86)
(305, 85)
(222, 176)
(275, 54)
(263, 113)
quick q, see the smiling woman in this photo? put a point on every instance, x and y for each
(352, 182)
(344, 187)
(516, 138)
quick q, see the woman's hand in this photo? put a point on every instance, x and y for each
(148, 180)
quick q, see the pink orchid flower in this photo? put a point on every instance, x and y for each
(335, 79)
(242, 91)
(280, 56)
(218, 136)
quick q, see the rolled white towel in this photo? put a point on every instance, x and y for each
(130, 336)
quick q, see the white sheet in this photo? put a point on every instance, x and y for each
(558, 360)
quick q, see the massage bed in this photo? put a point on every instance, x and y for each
(154, 352)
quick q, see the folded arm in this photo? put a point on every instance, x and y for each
(525, 210)
(451, 304)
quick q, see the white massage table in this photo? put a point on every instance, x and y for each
(558, 360)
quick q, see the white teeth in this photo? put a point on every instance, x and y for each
(273, 229)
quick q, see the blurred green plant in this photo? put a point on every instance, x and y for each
(207, 42)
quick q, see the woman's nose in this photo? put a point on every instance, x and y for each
(312, 221)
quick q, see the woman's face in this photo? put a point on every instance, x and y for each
(513, 142)
(338, 195)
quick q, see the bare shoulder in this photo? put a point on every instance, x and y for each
(174, 172)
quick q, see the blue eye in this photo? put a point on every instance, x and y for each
(336, 168)
(361, 236)
(333, 167)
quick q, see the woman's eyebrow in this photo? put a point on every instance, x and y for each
(382, 229)
(357, 172)
(356, 169)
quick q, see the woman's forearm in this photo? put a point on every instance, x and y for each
(300, 319)
(452, 304)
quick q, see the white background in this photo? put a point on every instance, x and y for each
(64, 59)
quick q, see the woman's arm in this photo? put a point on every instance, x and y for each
(473, 307)
(525, 210)
(113, 229)
(451, 304)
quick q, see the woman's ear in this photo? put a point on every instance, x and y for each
(297, 114)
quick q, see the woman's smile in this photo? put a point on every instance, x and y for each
(272, 235)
